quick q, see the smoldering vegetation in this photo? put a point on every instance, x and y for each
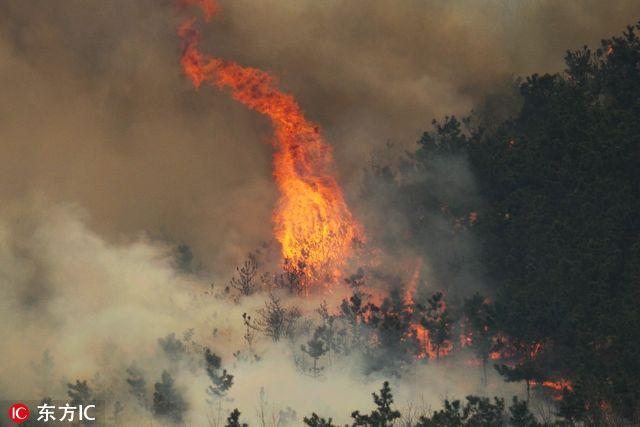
(129, 327)
(129, 201)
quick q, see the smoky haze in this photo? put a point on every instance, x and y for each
(110, 158)
(96, 111)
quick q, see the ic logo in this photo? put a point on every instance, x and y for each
(18, 413)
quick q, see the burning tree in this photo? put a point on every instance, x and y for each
(481, 337)
(355, 311)
(436, 320)
(392, 321)
(312, 220)
(524, 366)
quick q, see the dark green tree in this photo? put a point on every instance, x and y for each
(315, 421)
(316, 348)
(436, 319)
(221, 380)
(383, 415)
(554, 196)
(234, 420)
(520, 416)
(478, 411)
(172, 347)
(354, 311)
(168, 402)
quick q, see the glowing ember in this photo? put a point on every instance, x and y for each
(557, 387)
(312, 220)
(427, 348)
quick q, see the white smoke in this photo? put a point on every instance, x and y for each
(100, 307)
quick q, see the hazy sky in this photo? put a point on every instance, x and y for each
(95, 109)
(108, 157)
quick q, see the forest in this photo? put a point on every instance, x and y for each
(553, 211)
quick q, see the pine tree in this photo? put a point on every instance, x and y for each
(167, 401)
(436, 319)
(354, 311)
(520, 415)
(316, 421)
(234, 420)
(478, 411)
(382, 416)
(172, 347)
(316, 347)
(221, 379)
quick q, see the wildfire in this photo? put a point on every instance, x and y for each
(556, 387)
(427, 348)
(312, 220)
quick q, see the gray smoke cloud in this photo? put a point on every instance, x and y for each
(99, 308)
(110, 158)
(96, 111)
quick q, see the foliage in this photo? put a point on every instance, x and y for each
(220, 378)
(383, 415)
(555, 222)
(480, 412)
(315, 421)
(168, 402)
(480, 320)
(316, 347)
(234, 420)
(436, 319)
(172, 347)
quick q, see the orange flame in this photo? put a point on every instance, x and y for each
(609, 50)
(556, 387)
(312, 220)
(427, 348)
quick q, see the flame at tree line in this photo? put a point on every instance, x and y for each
(312, 220)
